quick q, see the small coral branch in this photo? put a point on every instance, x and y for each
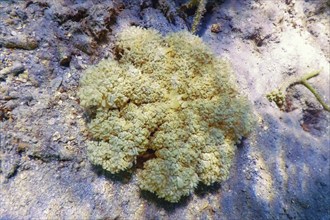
(198, 16)
(278, 95)
(201, 4)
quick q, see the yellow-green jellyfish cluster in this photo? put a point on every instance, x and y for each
(172, 96)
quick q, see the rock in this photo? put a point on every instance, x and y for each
(216, 28)
(11, 104)
(62, 13)
(65, 56)
(55, 83)
(84, 43)
(21, 14)
(37, 74)
(15, 69)
(9, 165)
(99, 20)
(19, 41)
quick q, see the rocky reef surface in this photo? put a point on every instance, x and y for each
(281, 171)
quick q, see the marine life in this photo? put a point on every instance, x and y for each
(170, 95)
